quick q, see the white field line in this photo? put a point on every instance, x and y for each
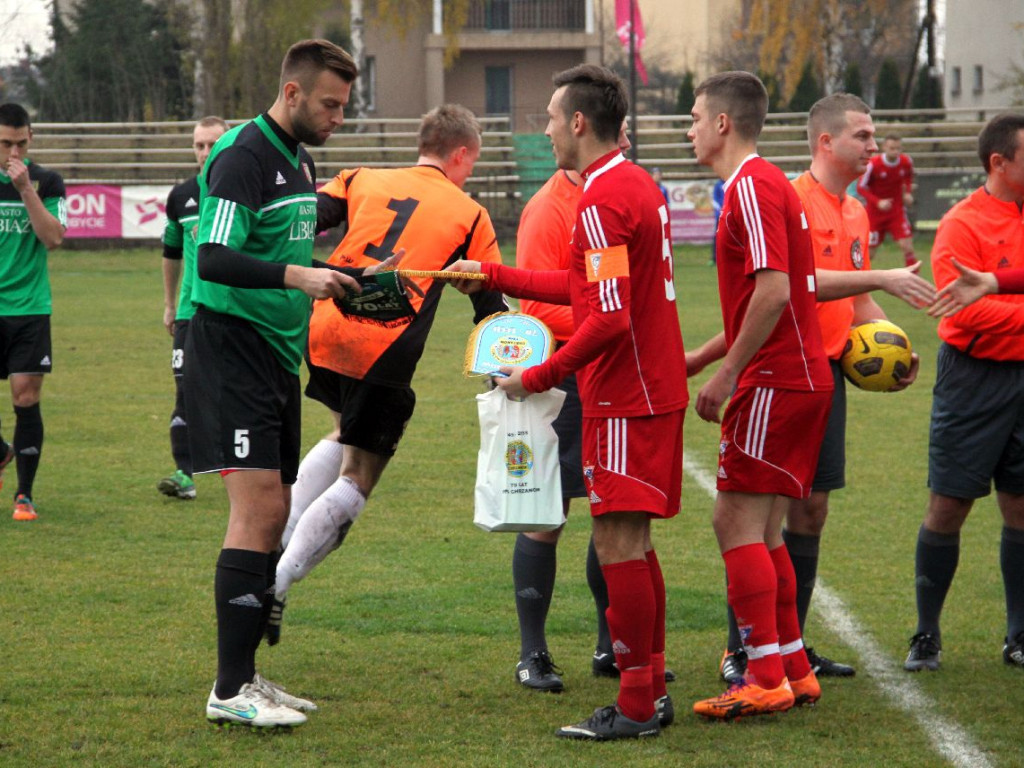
(948, 737)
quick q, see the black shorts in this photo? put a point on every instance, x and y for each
(25, 345)
(830, 474)
(977, 426)
(568, 425)
(242, 405)
(178, 348)
(373, 416)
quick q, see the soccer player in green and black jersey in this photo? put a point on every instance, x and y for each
(179, 264)
(33, 217)
(255, 276)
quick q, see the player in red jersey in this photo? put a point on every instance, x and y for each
(887, 187)
(775, 374)
(627, 353)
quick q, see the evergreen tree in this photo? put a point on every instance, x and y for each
(889, 93)
(927, 91)
(852, 80)
(116, 60)
(807, 90)
(685, 98)
(771, 84)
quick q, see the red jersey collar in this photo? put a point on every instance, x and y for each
(602, 165)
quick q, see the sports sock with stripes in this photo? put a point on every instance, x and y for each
(239, 585)
(934, 567)
(791, 646)
(1011, 558)
(28, 445)
(631, 614)
(534, 564)
(803, 552)
(658, 636)
(752, 594)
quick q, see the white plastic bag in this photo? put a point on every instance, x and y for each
(518, 483)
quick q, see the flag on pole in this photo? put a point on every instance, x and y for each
(622, 24)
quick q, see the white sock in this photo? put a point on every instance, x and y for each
(317, 533)
(318, 470)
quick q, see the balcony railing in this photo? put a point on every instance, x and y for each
(522, 15)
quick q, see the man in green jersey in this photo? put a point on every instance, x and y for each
(255, 275)
(33, 217)
(179, 266)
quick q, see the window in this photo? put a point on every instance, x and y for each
(498, 90)
(979, 79)
(955, 84)
(499, 14)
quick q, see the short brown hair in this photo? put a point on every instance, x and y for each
(446, 128)
(212, 121)
(1000, 137)
(598, 94)
(740, 95)
(828, 115)
(306, 59)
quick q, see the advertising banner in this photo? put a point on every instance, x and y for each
(116, 212)
(691, 212)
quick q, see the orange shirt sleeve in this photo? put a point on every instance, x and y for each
(543, 243)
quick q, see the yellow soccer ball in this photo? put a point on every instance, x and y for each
(876, 356)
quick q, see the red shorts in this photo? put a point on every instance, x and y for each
(894, 222)
(634, 464)
(771, 439)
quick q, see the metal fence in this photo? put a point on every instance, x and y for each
(940, 142)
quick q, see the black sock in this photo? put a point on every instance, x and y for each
(28, 445)
(533, 573)
(803, 551)
(934, 567)
(1011, 558)
(734, 642)
(239, 587)
(598, 588)
(268, 595)
(179, 432)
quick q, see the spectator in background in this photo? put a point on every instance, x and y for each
(34, 223)
(717, 198)
(887, 187)
(656, 175)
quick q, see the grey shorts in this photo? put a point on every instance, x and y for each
(830, 474)
(977, 426)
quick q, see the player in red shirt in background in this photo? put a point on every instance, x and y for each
(776, 377)
(887, 187)
(628, 355)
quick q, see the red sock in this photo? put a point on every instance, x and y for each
(658, 639)
(791, 644)
(631, 614)
(752, 593)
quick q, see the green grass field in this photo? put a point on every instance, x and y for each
(407, 636)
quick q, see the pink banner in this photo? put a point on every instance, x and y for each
(94, 211)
